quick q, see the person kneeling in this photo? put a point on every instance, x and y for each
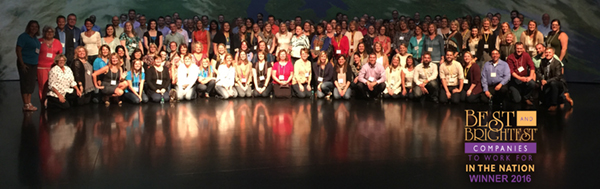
(158, 81)
(302, 76)
(371, 78)
(61, 84)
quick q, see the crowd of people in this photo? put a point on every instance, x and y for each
(469, 59)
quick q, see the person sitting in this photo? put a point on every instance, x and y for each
(158, 81)
(452, 77)
(187, 74)
(523, 75)
(226, 79)
(61, 84)
(206, 78)
(113, 82)
(393, 75)
(425, 77)
(371, 78)
(136, 78)
(262, 75)
(323, 71)
(472, 84)
(552, 81)
(302, 75)
(494, 77)
(343, 77)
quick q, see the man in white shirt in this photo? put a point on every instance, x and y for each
(452, 77)
(425, 76)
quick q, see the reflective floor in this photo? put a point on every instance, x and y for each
(275, 143)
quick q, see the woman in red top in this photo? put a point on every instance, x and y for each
(384, 40)
(202, 36)
(49, 49)
(340, 43)
(283, 70)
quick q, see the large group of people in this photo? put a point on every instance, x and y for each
(467, 59)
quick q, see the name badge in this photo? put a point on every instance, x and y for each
(486, 46)
(341, 81)
(227, 46)
(318, 48)
(493, 74)
(401, 38)
(37, 51)
(49, 55)
(320, 79)
(133, 45)
(74, 41)
(159, 81)
(243, 80)
(466, 81)
(532, 49)
(262, 78)
(89, 72)
(306, 75)
(255, 47)
(281, 77)
(136, 89)
(408, 84)
(63, 45)
(371, 79)
(520, 69)
(189, 40)
(113, 82)
(338, 51)
(430, 49)
(416, 48)
(473, 53)
(268, 46)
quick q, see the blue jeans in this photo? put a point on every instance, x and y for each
(326, 88)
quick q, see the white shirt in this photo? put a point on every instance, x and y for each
(60, 80)
(187, 76)
(226, 77)
(421, 73)
(453, 73)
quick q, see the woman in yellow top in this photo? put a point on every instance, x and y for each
(302, 75)
(243, 77)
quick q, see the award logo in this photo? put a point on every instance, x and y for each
(500, 146)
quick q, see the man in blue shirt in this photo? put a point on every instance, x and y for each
(59, 32)
(494, 77)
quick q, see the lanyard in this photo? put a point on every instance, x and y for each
(486, 37)
(467, 68)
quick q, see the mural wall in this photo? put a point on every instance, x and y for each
(579, 18)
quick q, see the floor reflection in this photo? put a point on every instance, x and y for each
(214, 136)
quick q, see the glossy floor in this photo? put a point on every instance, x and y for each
(274, 143)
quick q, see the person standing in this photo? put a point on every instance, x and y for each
(72, 37)
(28, 51)
(49, 49)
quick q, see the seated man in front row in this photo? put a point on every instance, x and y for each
(452, 77)
(371, 78)
(425, 76)
(494, 77)
(523, 75)
(551, 79)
